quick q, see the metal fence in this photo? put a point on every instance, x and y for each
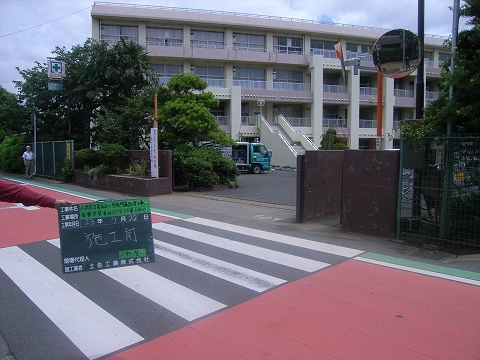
(50, 157)
(439, 190)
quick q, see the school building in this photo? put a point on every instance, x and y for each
(278, 79)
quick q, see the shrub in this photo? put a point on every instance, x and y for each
(199, 172)
(340, 146)
(109, 154)
(206, 166)
(102, 170)
(67, 170)
(11, 150)
(138, 168)
(86, 157)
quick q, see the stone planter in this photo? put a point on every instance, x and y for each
(126, 184)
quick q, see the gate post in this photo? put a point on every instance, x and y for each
(300, 208)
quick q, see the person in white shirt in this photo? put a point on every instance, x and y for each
(29, 161)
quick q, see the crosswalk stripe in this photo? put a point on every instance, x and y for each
(277, 257)
(179, 299)
(284, 239)
(81, 320)
(239, 275)
(174, 297)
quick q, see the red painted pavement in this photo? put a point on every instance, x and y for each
(353, 310)
(20, 226)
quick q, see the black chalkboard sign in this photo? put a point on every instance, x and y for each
(105, 234)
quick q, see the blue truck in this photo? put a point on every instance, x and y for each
(253, 157)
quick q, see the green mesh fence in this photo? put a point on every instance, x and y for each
(439, 190)
(50, 157)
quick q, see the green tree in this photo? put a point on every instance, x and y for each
(126, 124)
(329, 141)
(104, 77)
(14, 117)
(11, 150)
(462, 111)
(49, 106)
(99, 76)
(185, 118)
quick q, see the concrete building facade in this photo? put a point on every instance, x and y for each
(277, 79)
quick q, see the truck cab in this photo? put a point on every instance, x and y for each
(251, 157)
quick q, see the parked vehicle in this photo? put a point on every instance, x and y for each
(250, 157)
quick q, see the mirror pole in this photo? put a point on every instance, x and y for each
(420, 98)
(379, 108)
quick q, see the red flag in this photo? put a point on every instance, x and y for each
(339, 52)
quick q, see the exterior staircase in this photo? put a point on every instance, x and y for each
(280, 138)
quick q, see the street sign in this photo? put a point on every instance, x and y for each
(105, 234)
(55, 85)
(154, 152)
(56, 69)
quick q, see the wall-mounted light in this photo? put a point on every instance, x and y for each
(234, 69)
(192, 67)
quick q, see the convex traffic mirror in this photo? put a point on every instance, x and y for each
(397, 53)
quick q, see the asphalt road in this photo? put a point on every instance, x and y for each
(274, 187)
(240, 254)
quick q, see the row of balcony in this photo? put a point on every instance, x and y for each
(330, 54)
(306, 122)
(205, 44)
(291, 86)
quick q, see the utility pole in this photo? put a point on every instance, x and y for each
(420, 96)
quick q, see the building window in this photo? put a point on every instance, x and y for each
(287, 45)
(397, 115)
(220, 114)
(164, 37)
(249, 42)
(164, 72)
(358, 48)
(330, 111)
(358, 51)
(288, 110)
(321, 44)
(288, 80)
(443, 57)
(330, 79)
(213, 75)
(207, 39)
(113, 33)
(324, 48)
(364, 144)
(249, 78)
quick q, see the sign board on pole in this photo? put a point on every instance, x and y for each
(55, 85)
(56, 69)
(154, 152)
(105, 234)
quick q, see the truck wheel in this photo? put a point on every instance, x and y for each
(256, 169)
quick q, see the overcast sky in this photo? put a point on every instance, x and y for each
(30, 29)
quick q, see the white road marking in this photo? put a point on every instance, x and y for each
(178, 299)
(174, 297)
(284, 239)
(239, 275)
(277, 257)
(80, 319)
